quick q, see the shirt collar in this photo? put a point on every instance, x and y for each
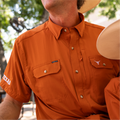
(81, 26)
(56, 29)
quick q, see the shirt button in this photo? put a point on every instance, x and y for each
(76, 71)
(45, 71)
(104, 64)
(65, 30)
(81, 96)
(72, 48)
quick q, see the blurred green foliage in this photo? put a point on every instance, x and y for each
(27, 9)
(108, 8)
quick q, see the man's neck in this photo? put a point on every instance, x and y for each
(65, 19)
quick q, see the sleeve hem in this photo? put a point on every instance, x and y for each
(12, 93)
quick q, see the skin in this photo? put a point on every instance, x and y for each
(10, 108)
(61, 12)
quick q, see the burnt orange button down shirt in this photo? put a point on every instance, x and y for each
(64, 70)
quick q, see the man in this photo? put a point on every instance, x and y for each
(108, 45)
(59, 62)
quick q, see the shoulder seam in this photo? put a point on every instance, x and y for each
(94, 25)
(22, 35)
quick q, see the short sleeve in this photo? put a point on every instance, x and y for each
(13, 81)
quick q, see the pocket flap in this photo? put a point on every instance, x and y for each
(100, 62)
(47, 69)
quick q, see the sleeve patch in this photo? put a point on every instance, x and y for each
(6, 80)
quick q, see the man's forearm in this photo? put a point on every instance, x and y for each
(9, 110)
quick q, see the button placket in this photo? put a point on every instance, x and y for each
(81, 59)
(75, 61)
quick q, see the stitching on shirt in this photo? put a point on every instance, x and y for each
(94, 25)
(33, 31)
(46, 63)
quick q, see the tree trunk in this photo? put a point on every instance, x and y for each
(3, 62)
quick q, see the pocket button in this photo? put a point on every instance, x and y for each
(76, 71)
(104, 64)
(45, 71)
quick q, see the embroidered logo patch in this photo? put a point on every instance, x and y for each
(6, 79)
(98, 62)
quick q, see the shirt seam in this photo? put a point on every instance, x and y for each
(94, 25)
(11, 93)
(29, 36)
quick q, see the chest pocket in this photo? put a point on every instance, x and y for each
(47, 69)
(49, 84)
(101, 62)
(102, 71)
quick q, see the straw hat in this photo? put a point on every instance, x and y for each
(108, 42)
(88, 5)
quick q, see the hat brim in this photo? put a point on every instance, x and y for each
(108, 42)
(88, 5)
